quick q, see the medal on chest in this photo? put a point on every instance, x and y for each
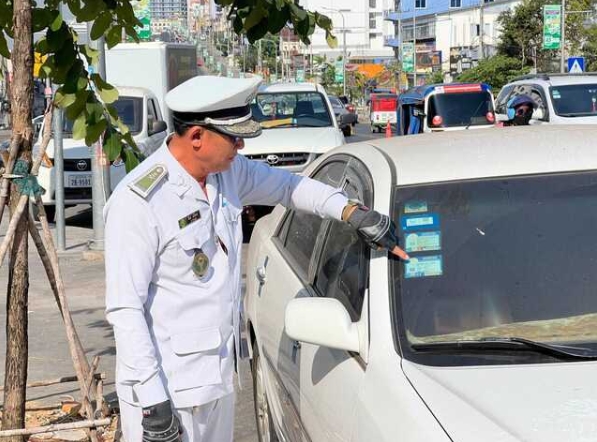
(200, 263)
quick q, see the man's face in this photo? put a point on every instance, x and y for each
(215, 150)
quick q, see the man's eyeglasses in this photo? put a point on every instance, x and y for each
(523, 110)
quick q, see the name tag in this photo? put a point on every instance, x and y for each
(189, 219)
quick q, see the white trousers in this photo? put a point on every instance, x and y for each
(211, 422)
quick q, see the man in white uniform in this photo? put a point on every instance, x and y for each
(173, 270)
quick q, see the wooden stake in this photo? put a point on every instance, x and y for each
(57, 427)
(62, 380)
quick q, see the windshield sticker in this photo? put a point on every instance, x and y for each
(420, 222)
(415, 207)
(422, 241)
(423, 266)
(556, 94)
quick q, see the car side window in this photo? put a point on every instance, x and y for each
(151, 110)
(502, 99)
(537, 95)
(343, 268)
(301, 229)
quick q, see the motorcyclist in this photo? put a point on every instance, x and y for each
(519, 110)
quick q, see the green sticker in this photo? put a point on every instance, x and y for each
(147, 182)
(422, 241)
(189, 219)
(415, 207)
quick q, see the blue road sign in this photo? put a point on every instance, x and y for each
(576, 65)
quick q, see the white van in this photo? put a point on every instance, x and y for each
(139, 110)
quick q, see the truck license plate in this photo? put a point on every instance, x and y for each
(79, 181)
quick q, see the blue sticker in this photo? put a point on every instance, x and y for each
(415, 207)
(422, 241)
(423, 266)
(420, 222)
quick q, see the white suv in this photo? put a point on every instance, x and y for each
(561, 98)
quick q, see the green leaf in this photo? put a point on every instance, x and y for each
(90, 10)
(101, 25)
(80, 127)
(57, 22)
(4, 52)
(297, 13)
(237, 24)
(112, 145)
(132, 32)
(91, 55)
(128, 138)
(114, 36)
(40, 19)
(331, 40)
(107, 92)
(254, 17)
(95, 111)
(258, 31)
(66, 56)
(62, 99)
(74, 6)
(56, 39)
(123, 128)
(323, 21)
(78, 106)
(112, 113)
(130, 159)
(94, 131)
(42, 46)
(277, 20)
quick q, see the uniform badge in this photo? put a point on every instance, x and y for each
(190, 218)
(143, 185)
(200, 263)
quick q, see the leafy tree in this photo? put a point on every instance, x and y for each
(495, 71)
(522, 32)
(87, 100)
(590, 48)
(436, 77)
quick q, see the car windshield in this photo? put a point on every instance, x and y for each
(574, 100)
(460, 109)
(291, 109)
(130, 110)
(498, 258)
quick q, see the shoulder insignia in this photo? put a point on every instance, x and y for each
(143, 185)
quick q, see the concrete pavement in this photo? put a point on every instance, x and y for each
(49, 356)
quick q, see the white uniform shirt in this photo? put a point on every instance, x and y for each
(176, 332)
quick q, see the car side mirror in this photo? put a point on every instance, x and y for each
(321, 321)
(538, 114)
(158, 126)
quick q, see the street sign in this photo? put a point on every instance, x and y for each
(143, 13)
(339, 78)
(552, 24)
(576, 65)
(408, 57)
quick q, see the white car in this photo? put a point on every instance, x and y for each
(298, 125)
(561, 98)
(488, 333)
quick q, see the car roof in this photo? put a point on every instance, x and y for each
(556, 79)
(291, 87)
(494, 152)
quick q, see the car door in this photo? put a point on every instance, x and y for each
(330, 379)
(285, 270)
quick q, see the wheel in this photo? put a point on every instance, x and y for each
(265, 425)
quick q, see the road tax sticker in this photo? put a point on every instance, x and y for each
(420, 222)
(556, 94)
(423, 266)
(415, 207)
(423, 241)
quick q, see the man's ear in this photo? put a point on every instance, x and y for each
(195, 136)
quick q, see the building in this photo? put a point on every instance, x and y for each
(451, 35)
(169, 9)
(360, 22)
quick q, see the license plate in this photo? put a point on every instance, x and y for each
(78, 181)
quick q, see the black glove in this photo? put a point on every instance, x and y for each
(376, 229)
(160, 424)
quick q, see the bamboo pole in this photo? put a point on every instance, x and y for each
(57, 427)
(62, 380)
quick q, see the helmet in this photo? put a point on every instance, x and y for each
(519, 100)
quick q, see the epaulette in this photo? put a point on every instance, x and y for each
(143, 185)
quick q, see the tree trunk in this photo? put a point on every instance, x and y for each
(15, 379)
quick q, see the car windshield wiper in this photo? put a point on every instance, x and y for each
(507, 343)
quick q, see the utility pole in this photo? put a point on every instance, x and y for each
(100, 168)
(259, 58)
(482, 29)
(414, 43)
(282, 55)
(398, 49)
(563, 38)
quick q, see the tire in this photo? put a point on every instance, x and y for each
(263, 418)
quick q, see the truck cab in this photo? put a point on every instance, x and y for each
(139, 109)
